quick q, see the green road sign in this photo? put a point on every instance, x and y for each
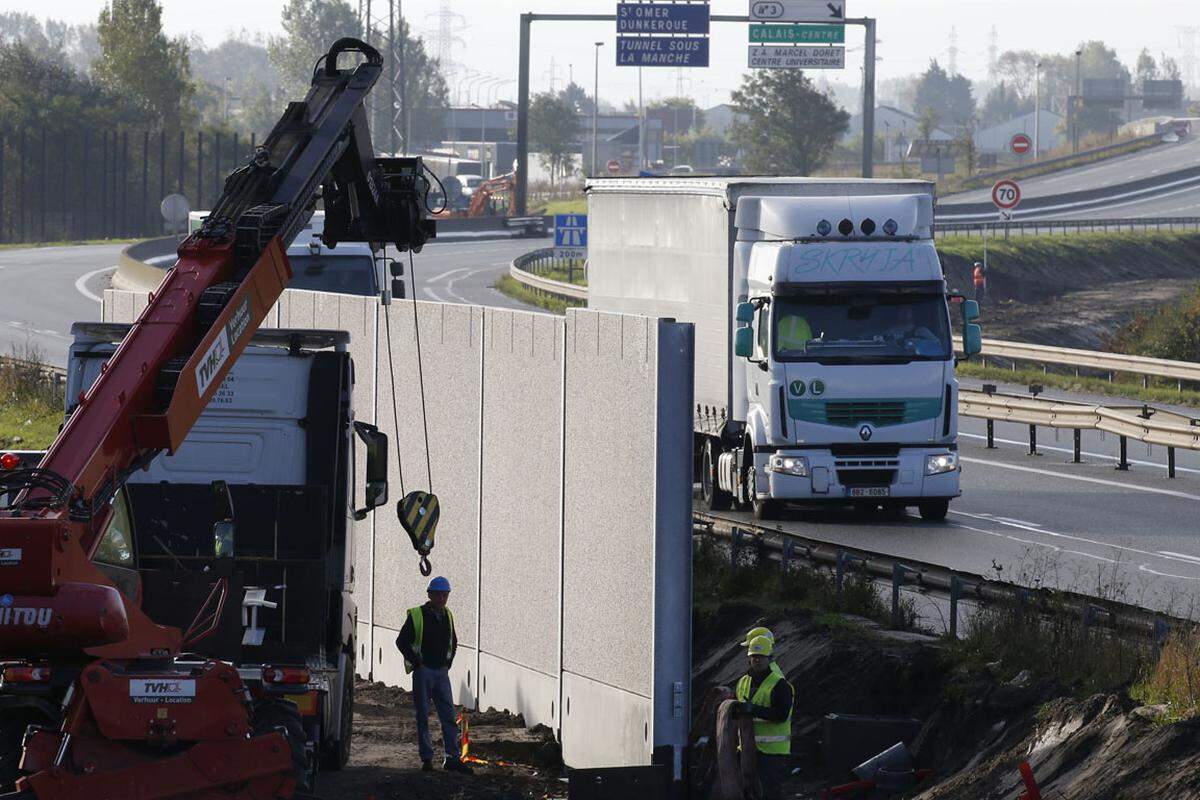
(798, 34)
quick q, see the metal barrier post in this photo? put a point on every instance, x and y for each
(898, 575)
(840, 570)
(785, 558)
(1123, 464)
(735, 541)
(991, 435)
(955, 593)
(1170, 462)
(1078, 438)
(1033, 440)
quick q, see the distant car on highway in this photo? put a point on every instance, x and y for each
(347, 269)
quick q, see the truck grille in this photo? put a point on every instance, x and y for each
(856, 412)
(866, 477)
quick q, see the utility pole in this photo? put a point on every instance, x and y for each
(868, 153)
(1079, 101)
(641, 162)
(1037, 110)
(595, 105)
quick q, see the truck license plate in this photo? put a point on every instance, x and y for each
(870, 491)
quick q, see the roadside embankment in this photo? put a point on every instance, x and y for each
(1076, 290)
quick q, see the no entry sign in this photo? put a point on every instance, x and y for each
(1020, 144)
(1006, 194)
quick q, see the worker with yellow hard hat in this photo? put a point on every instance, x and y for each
(759, 631)
(765, 695)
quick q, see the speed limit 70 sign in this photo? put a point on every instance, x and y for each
(1006, 194)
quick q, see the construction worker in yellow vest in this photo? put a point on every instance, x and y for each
(428, 643)
(766, 696)
(793, 334)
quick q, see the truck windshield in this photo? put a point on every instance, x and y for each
(349, 274)
(877, 327)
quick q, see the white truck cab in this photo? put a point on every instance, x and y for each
(824, 359)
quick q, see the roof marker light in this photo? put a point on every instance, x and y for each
(823, 227)
(890, 227)
(867, 226)
(845, 227)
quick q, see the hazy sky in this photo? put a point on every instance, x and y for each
(910, 33)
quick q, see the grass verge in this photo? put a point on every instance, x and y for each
(65, 243)
(1174, 680)
(1161, 392)
(31, 406)
(574, 206)
(513, 288)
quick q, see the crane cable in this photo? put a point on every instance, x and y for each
(418, 511)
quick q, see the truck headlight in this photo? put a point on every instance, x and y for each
(936, 465)
(788, 465)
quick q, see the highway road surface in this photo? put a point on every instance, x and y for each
(1177, 201)
(45, 289)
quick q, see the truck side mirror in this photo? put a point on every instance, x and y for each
(377, 467)
(743, 342)
(972, 339)
(397, 268)
(745, 313)
(223, 529)
(398, 288)
(970, 310)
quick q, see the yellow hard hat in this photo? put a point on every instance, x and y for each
(753, 632)
(760, 646)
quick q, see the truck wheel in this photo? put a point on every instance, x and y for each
(714, 497)
(934, 510)
(270, 715)
(337, 753)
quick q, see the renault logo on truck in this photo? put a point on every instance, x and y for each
(865, 433)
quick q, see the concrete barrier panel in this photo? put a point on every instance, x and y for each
(520, 547)
(451, 350)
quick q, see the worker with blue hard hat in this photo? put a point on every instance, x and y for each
(428, 643)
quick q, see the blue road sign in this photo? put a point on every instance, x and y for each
(570, 230)
(663, 18)
(662, 51)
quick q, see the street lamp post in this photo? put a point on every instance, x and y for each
(595, 104)
(1037, 110)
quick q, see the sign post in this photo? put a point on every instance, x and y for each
(1006, 194)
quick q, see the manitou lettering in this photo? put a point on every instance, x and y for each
(18, 615)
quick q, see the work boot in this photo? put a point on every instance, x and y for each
(455, 765)
(426, 766)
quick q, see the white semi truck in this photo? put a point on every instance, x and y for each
(824, 358)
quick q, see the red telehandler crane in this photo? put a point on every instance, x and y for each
(137, 722)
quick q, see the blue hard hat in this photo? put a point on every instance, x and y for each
(439, 584)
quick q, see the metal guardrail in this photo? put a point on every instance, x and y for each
(522, 268)
(1017, 171)
(1090, 359)
(1066, 226)
(1142, 423)
(788, 546)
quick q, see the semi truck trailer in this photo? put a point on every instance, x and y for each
(824, 357)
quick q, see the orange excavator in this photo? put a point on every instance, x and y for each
(132, 718)
(490, 198)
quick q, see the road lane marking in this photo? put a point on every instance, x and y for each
(81, 283)
(1144, 568)
(1081, 478)
(1083, 453)
(472, 273)
(1184, 556)
(1072, 537)
(446, 274)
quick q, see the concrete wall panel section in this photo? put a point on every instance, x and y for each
(451, 345)
(609, 490)
(603, 726)
(521, 690)
(521, 501)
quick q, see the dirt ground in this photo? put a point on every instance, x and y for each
(384, 764)
(1082, 319)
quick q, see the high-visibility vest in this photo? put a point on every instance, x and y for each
(417, 615)
(980, 278)
(773, 738)
(794, 332)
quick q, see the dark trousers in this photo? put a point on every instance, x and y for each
(434, 684)
(772, 769)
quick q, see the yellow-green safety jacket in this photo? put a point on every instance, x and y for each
(418, 622)
(773, 738)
